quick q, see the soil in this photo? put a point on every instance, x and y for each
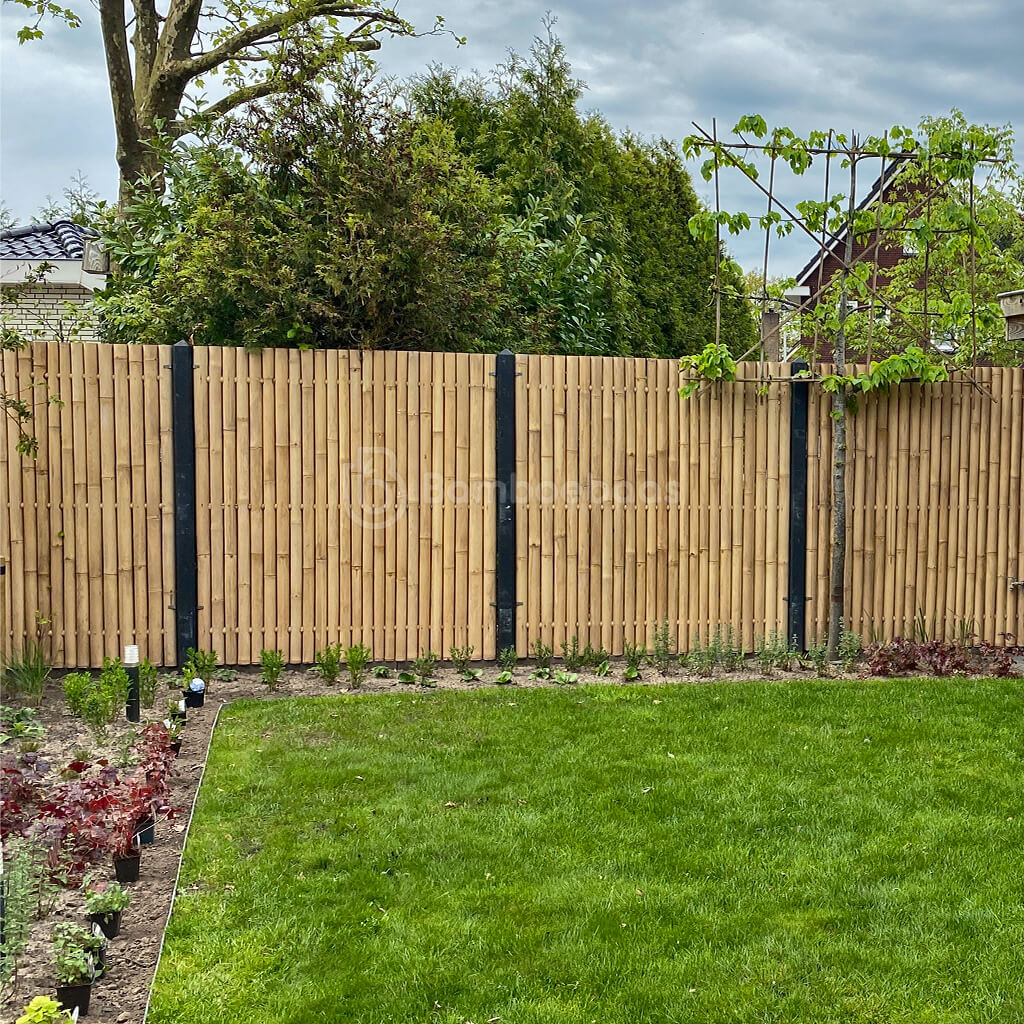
(120, 996)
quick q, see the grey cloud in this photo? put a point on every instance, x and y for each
(652, 67)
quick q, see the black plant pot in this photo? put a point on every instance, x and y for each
(127, 868)
(176, 747)
(99, 962)
(110, 922)
(194, 699)
(145, 831)
(74, 997)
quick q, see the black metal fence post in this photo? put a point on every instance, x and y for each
(504, 480)
(186, 590)
(797, 618)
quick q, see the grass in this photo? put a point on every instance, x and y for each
(809, 852)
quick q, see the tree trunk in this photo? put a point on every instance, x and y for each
(837, 579)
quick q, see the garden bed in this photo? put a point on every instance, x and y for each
(120, 996)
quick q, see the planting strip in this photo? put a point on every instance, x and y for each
(181, 857)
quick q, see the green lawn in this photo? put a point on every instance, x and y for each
(813, 852)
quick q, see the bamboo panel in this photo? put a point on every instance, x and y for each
(85, 565)
(935, 512)
(335, 523)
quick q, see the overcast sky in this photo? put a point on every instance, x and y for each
(651, 66)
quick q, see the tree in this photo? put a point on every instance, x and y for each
(632, 200)
(340, 222)
(256, 48)
(931, 213)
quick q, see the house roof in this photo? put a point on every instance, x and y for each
(53, 240)
(806, 276)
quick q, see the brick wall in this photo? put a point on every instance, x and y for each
(49, 312)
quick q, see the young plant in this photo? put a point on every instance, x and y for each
(381, 672)
(635, 656)
(44, 1010)
(572, 658)
(728, 649)
(106, 898)
(594, 657)
(508, 659)
(25, 673)
(700, 660)
(773, 652)
(602, 669)
(76, 686)
(147, 683)
(542, 654)
(461, 657)
(661, 647)
(199, 664)
(544, 672)
(271, 667)
(74, 952)
(850, 645)
(327, 663)
(505, 678)
(563, 678)
(817, 655)
(892, 659)
(423, 668)
(357, 658)
(224, 675)
(20, 724)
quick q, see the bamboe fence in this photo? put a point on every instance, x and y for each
(349, 497)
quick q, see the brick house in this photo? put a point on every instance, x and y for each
(45, 286)
(826, 265)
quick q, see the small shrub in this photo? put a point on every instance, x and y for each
(994, 661)
(661, 647)
(271, 667)
(461, 657)
(357, 658)
(508, 659)
(26, 672)
(726, 649)
(942, 659)
(817, 655)
(327, 663)
(225, 675)
(542, 654)
(635, 655)
(892, 659)
(106, 898)
(199, 664)
(849, 648)
(423, 668)
(700, 660)
(97, 700)
(594, 657)
(147, 683)
(773, 652)
(572, 657)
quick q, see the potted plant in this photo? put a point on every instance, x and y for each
(76, 951)
(195, 694)
(174, 736)
(124, 844)
(105, 903)
(44, 1010)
